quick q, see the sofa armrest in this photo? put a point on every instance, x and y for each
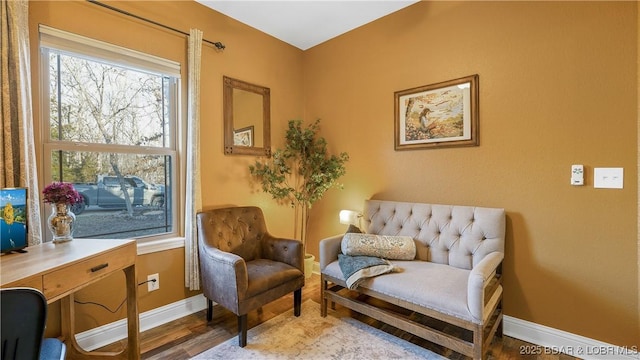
(288, 251)
(228, 279)
(329, 250)
(479, 278)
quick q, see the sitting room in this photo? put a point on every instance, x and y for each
(167, 116)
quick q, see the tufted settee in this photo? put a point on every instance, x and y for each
(453, 280)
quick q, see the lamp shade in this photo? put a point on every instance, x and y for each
(349, 217)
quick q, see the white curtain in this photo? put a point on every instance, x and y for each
(17, 149)
(193, 194)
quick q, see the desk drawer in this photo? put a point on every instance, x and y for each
(76, 276)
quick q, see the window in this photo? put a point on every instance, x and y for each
(110, 119)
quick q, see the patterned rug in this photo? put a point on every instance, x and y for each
(311, 336)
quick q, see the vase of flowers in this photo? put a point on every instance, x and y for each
(62, 220)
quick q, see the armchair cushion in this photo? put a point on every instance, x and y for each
(266, 274)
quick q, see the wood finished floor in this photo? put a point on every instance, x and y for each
(191, 335)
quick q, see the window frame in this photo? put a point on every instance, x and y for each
(95, 50)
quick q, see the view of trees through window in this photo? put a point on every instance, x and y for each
(110, 134)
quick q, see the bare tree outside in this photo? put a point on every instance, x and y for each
(121, 113)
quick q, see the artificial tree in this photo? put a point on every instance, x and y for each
(300, 173)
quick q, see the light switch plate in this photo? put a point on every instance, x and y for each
(608, 178)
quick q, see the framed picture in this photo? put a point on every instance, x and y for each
(13, 219)
(243, 136)
(438, 115)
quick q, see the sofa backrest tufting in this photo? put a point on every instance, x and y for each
(459, 236)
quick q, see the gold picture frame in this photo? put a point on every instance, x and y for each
(439, 115)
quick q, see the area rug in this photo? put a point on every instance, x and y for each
(311, 336)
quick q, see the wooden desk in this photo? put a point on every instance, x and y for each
(59, 270)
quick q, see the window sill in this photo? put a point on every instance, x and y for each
(149, 247)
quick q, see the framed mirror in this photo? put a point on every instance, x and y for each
(247, 118)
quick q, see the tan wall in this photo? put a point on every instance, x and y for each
(557, 87)
(250, 56)
(638, 140)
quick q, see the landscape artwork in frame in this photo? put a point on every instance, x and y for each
(243, 137)
(13, 219)
(438, 115)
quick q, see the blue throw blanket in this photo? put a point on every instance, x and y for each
(356, 269)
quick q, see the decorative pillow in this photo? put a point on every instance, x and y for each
(384, 246)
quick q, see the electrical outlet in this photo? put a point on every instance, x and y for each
(153, 285)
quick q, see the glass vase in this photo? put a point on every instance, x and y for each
(61, 223)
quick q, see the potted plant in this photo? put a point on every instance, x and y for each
(299, 174)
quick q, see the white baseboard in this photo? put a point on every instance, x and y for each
(110, 333)
(549, 341)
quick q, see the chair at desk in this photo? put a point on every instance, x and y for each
(23, 319)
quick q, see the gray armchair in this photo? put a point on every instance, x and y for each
(243, 267)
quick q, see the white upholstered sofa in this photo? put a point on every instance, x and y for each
(454, 278)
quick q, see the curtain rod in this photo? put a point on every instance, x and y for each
(217, 44)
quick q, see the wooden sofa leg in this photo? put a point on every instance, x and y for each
(501, 319)
(323, 300)
(478, 334)
(242, 330)
(297, 302)
(209, 310)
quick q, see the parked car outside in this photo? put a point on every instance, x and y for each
(108, 192)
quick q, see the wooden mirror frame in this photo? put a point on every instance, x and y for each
(229, 84)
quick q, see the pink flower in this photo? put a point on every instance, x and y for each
(61, 192)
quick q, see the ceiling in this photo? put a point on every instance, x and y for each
(306, 23)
